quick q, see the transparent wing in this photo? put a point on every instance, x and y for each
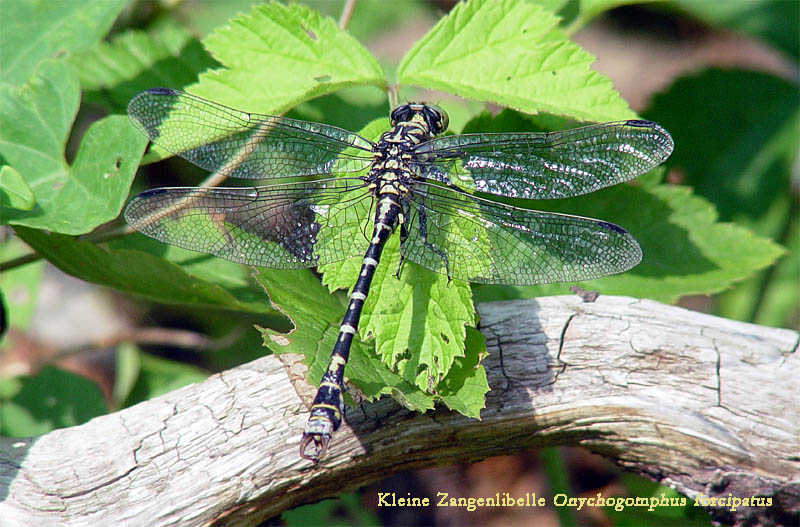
(476, 240)
(547, 165)
(286, 226)
(244, 145)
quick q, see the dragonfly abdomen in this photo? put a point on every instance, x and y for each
(326, 410)
(390, 178)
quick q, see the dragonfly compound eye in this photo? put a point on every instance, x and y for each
(437, 119)
(401, 114)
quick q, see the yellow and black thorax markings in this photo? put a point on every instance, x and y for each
(393, 170)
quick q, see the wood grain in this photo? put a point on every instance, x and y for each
(700, 403)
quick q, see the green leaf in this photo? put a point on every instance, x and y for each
(133, 61)
(231, 276)
(38, 117)
(277, 56)
(316, 316)
(20, 285)
(419, 320)
(68, 400)
(776, 22)
(781, 300)
(554, 6)
(158, 376)
(138, 272)
(35, 31)
(706, 257)
(34, 124)
(741, 158)
(127, 367)
(464, 389)
(512, 54)
(14, 191)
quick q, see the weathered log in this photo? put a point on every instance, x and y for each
(703, 404)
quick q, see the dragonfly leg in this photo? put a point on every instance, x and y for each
(403, 238)
(399, 266)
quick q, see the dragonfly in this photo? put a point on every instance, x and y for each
(434, 190)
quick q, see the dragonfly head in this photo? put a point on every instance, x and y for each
(434, 117)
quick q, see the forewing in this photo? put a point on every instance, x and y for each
(476, 240)
(241, 144)
(546, 165)
(278, 226)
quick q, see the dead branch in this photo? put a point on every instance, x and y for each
(706, 405)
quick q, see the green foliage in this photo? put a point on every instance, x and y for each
(36, 31)
(316, 327)
(735, 132)
(52, 399)
(35, 120)
(312, 55)
(512, 54)
(686, 250)
(741, 160)
(14, 190)
(133, 61)
(776, 22)
(197, 282)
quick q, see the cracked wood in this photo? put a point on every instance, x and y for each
(704, 404)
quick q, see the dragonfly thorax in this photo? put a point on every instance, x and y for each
(393, 167)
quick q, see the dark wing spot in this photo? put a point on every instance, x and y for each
(161, 91)
(611, 227)
(639, 122)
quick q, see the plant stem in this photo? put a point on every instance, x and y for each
(347, 12)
